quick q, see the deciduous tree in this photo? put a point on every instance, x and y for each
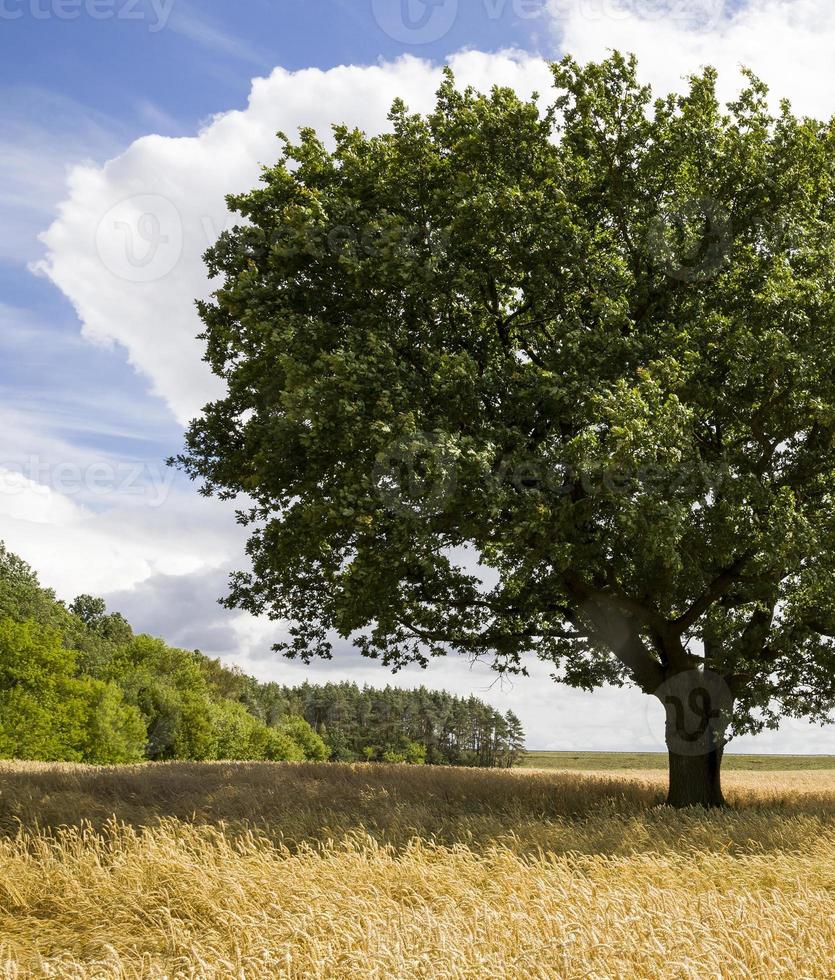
(587, 342)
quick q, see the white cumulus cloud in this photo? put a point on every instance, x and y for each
(127, 245)
(788, 43)
(22, 499)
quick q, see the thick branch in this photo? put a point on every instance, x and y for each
(620, 633)
(714, 591)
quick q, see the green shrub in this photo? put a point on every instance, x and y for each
(48, 713)
(311, 744)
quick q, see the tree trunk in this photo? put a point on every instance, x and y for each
(699, 707)
(696, 780)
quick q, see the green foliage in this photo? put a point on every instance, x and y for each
(412, 752)
(416, 726)
(589, 344)
(311, 744)
(240, 735)
(89, 609)
(47, 712)
(77, 685)
(415, 753)
(22, 597)
(169, 688)
(278, 746)
(235, 731)
(115, 731)
(93, 614)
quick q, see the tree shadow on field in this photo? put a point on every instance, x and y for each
(528, 812)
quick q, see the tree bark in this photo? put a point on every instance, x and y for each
(696, 780)
(699, 707)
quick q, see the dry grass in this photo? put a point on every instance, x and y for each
(593, 761)
(261, 871)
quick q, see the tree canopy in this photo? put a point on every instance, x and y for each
(548, 377)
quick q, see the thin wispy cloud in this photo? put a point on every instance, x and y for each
(158, 119)
(42, 135)
(200, 29)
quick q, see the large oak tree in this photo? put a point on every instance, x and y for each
(549, 378)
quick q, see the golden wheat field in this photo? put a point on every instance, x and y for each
(306, 871)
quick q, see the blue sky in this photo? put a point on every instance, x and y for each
(167, 65)
(117, 113)
(80, 81)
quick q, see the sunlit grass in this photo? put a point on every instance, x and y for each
(594, 761)
(261, 871)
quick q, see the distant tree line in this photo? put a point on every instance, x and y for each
(77, 685)
(390, 724)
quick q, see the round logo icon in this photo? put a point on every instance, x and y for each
(691, 241)
(415, 21)
(416, 476)
(140, 239)
(697, 706)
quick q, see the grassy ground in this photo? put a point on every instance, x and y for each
(288, 871)
(600, 761)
